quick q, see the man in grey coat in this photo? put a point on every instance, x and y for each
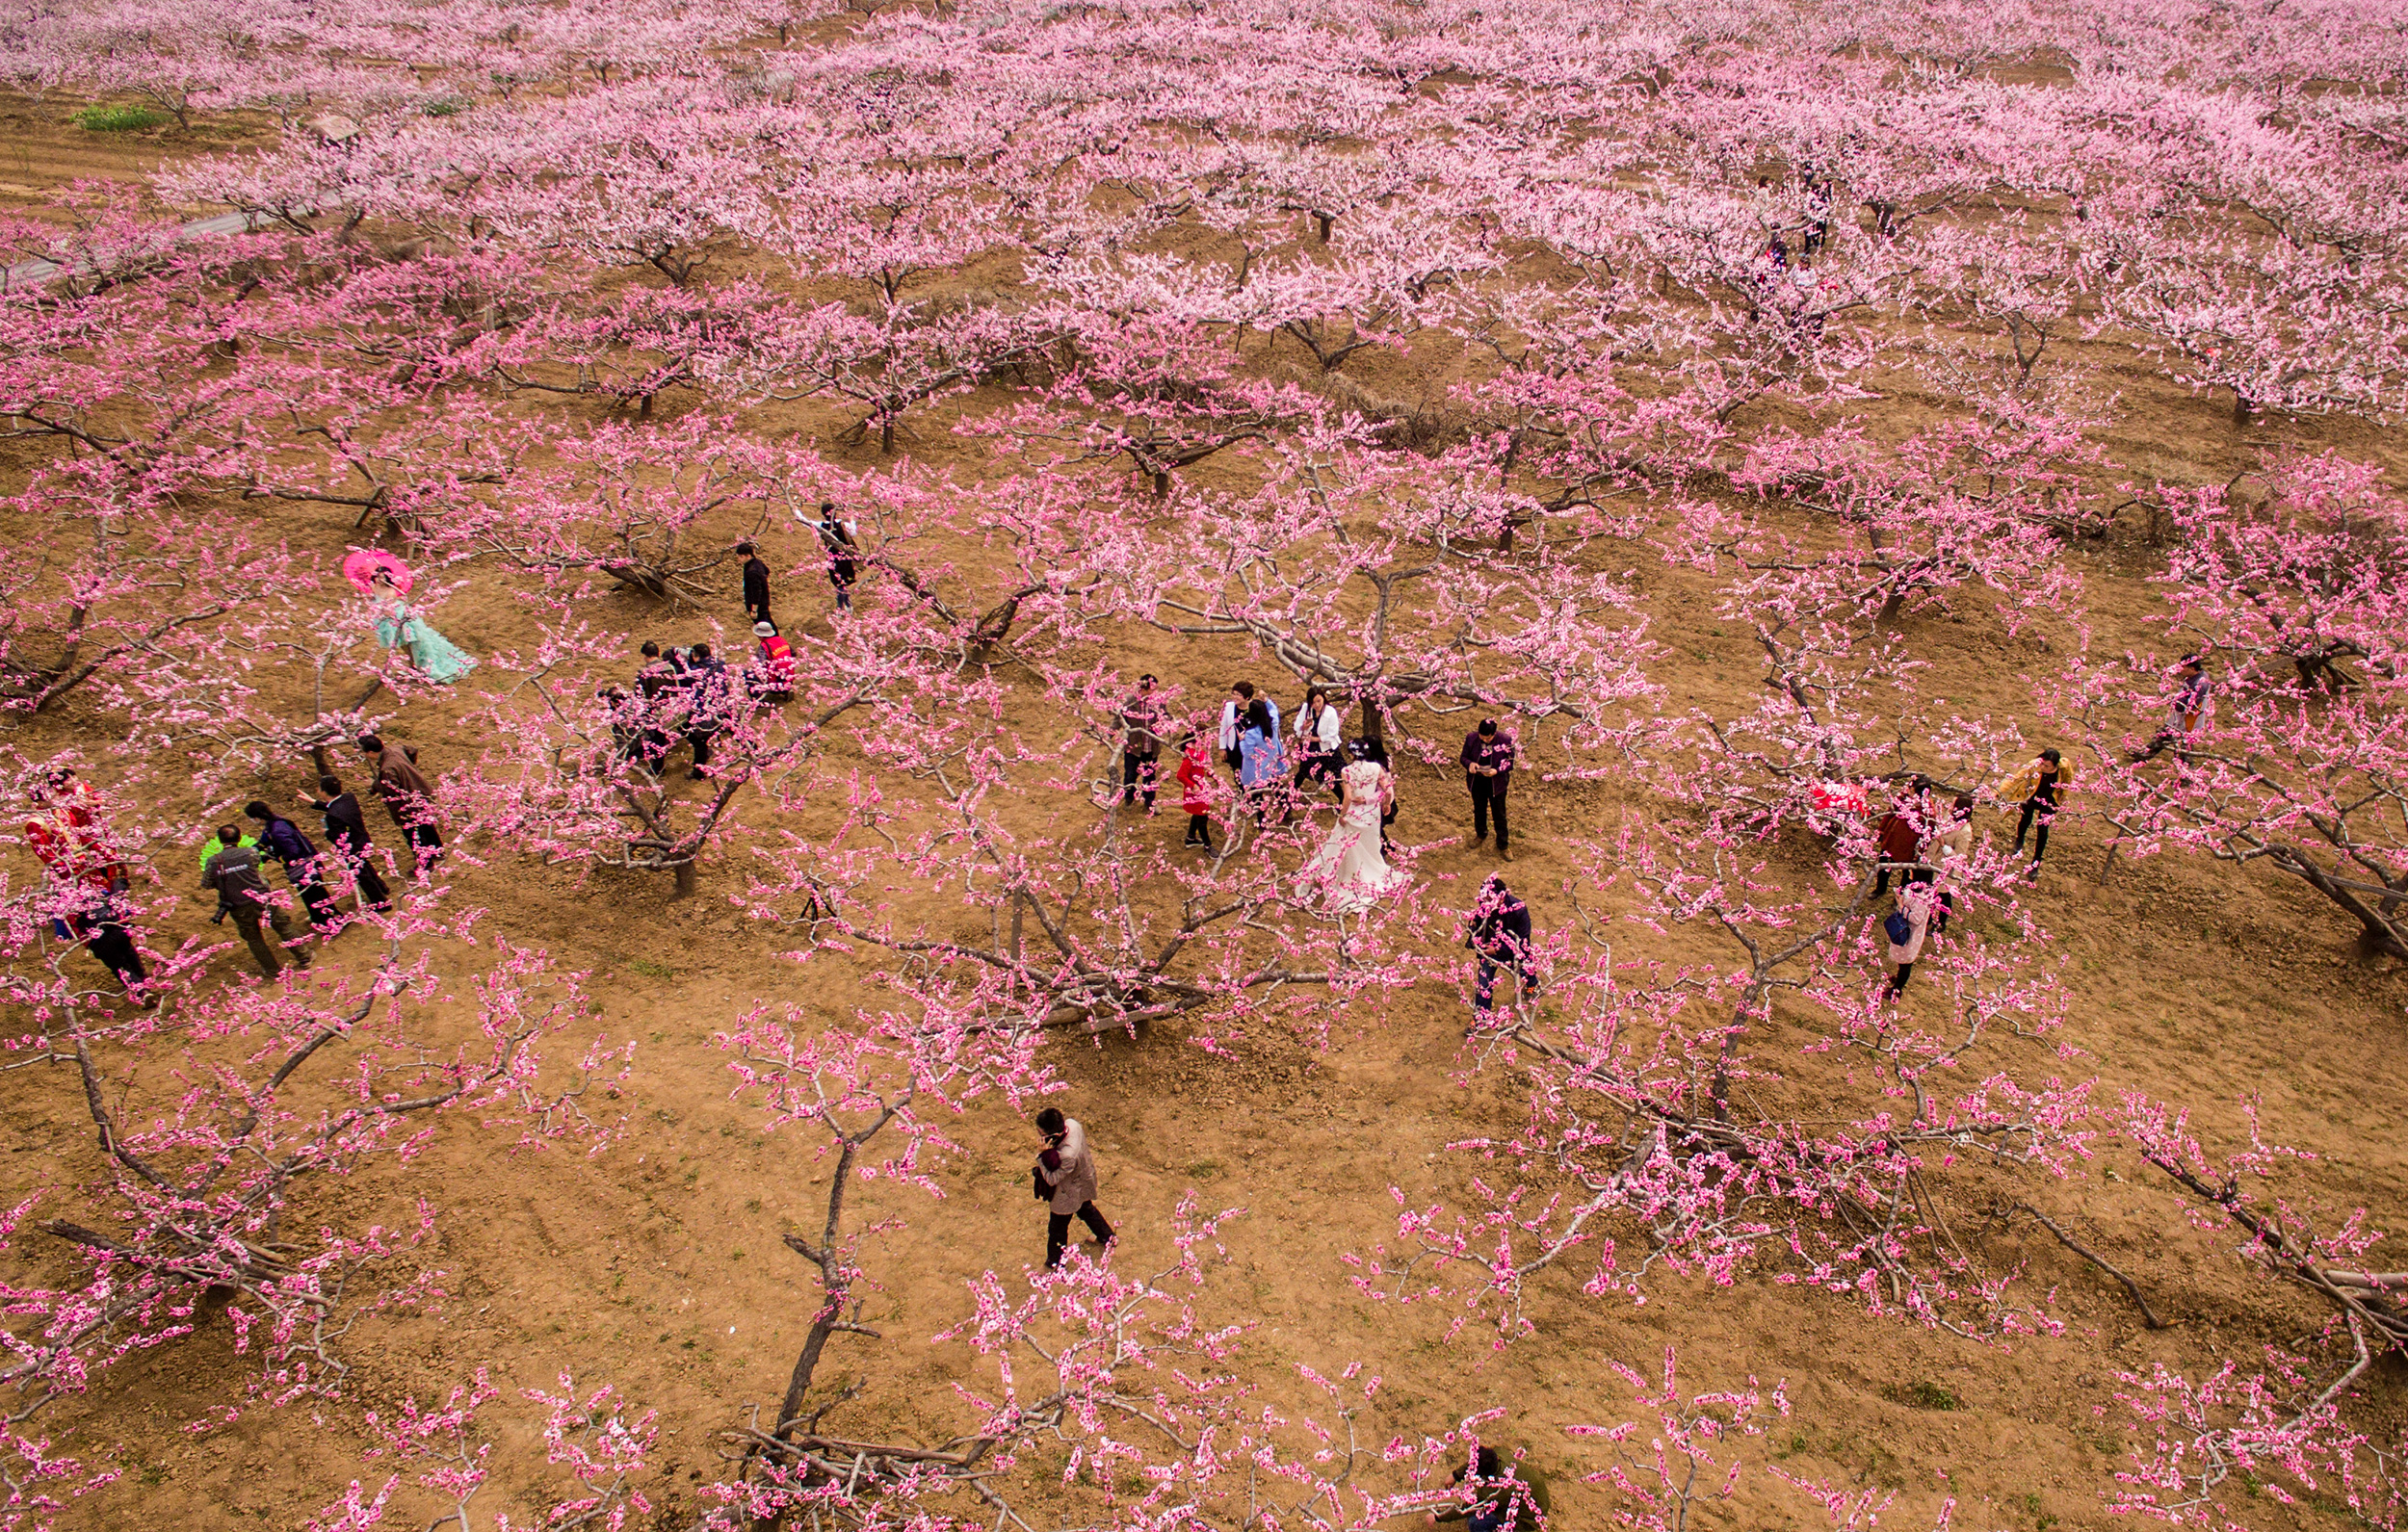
(1065, 1178)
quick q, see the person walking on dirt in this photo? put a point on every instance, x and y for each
(347, 831)
(1487, 760)
(2190, 708)
(1902, 842)
(1951, 851)
(2038, 789)
(756, 587)
(838, 545)
(283, 840)
(1066, 1183)
(409, 797)
(709, 702)
(233, 875)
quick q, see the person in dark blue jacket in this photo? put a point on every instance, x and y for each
(1500, 938)
(281, 838)
(346, 828)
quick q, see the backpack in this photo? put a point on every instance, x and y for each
(1899, 929)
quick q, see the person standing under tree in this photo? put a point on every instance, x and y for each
(233, 875)
(1195, 789)
(1487, 772)
(1066, 1183)
(347, 831)
(838, 545)
(2036, 787)
(1905, 928)
(1317, 735)
(1259, 777)
(1233, 721)
(408, 797)
(1499, 939)
(756, 587)
(775, 666)
(1901, 842)
(1141, 719)
(1505, 1497)
(283, 840)
(2190, 709)
(1952, 852)
(708, 705)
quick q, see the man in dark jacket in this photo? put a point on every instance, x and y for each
(756, 586)
(1487, 772)
(283, 840)
(1500, 938)
(408, 797)
(708, 704)
(1505, 1497)
(1143, 718)
(347, 831)
(233, 875)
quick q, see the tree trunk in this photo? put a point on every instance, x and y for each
(685, 880)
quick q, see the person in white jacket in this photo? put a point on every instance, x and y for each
(1317, 736)
(1066, 1182)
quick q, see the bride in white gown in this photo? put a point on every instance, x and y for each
(1348, 874)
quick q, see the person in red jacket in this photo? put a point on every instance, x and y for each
(1902, 837)
(1196, 781)
(775, 682)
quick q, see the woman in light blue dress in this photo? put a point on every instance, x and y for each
(437, 657)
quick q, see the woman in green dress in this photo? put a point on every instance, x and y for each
(398, 627)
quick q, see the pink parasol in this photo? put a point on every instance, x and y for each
(363, 565)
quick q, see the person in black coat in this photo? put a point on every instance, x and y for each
(347, 831)
(1487, 772)
(283, 840)
(1500, 938)
(756, 586)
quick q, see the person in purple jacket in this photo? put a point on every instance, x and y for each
(283, 840)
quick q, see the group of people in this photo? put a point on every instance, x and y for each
(69, 835)
(1929, 850)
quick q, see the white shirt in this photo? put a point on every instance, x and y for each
(1326, 727)
(1229, 724)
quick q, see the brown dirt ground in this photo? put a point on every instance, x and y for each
(657, 1265)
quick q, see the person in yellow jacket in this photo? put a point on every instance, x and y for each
(2038, 789)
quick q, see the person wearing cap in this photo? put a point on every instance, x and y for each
(756, 587)
(1487, 772)
(775, 680)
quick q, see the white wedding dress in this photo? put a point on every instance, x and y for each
(1347, 876)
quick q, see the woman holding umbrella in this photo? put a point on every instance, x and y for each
(380, 575)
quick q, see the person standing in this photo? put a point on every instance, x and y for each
(346, 832)
(2039, 788)
(1500, 938)
(1952, 850)
(839, 547)
(1905, 928)
(657, 698)
(409, 797)
(1233, 721)
(1901, 845)
(707, 704)
(1258, 758)
(2190, 710)
(1317, 734)
(1487, 758)
(1141, 743)
(1195, 789)
(756, 588)
(233, 875)
(283, 840)
(1066, 1183)
(1350, 872)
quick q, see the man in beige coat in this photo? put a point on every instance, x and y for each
(1065, 1178)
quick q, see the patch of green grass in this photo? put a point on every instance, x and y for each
(154, 1474)
(445, 106)
(2041, 1520)
(650, 970)
(118, 118)
(1924, 1394)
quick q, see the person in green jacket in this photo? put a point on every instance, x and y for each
(1505, 1496)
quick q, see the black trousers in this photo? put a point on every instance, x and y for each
(1200, 830)
(1484, 985)
(2043, 811)
(1058, 1231)
(700, 739)
(1488, 797)
(1898, 984)
(1137, 775)
(370, 883)
(113, 946)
